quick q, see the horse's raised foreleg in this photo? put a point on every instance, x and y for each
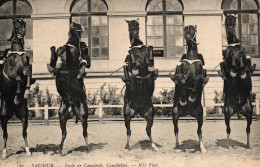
(175, 118)
(5, 134)
(63, 121)
(199, 131)
(149, 119)
(83, 115)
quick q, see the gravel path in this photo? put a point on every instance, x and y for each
(107, 141)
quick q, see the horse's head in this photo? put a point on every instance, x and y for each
(230, 22)
(19, 29)
(230, 25)
(75, 34)
(133, 28)
(190, 35)
(236, 62)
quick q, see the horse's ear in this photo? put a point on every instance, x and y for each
(195, 27)
(127, 21)
(137, 20)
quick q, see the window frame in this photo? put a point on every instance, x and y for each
(14, 10)
(164, 14)
(88, 15)
(240, 11)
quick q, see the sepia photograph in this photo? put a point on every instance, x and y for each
(129, 83)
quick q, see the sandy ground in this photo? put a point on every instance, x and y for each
(107, 141)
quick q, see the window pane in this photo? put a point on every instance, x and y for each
(173, 5)
(95, 42)
(174, 36)
(7, 8)
(170, 30)
(158, 20)
(229, 4)
(5, 33)
(95, 52)
(98, 6)
(151, 41)
(103, 42)
(150, 20)
(159, 42)
(155, 5)
(99, 33)
(23, 8)
(104, 52)
(170, 20)
(158, 30)
(150, 31)
(79, 6)
(248, 4)
(95, 31)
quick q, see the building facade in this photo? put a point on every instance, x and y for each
(106, 34)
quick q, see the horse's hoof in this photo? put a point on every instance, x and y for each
(87, 149)
(28, 153)
(177, 146)
(155, 148)
(202, 149)
(127, 147)
(4, 154)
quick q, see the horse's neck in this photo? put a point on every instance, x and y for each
(192, 53)
(232, 38)
(17, 45)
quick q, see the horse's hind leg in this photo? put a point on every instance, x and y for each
(22, 114)
(228, 111)
(149, 120)
(128, 130)
(248, 112)
(176, 128)
(199, 131)
(5, 134)
(63, 116)
(83, 115)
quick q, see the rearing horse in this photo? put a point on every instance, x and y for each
(236, 71)
(139, 76)
(189, 79)
(68, 64)
(15, 83)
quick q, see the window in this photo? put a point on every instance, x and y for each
(165, 27)
(92, 15)
(19, 9)
(246, 26)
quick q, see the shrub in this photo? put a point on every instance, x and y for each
(166, 97)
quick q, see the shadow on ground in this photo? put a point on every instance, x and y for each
(144, 145)
(190, 146)
(231, 143)
(45, 148)
(92, 147)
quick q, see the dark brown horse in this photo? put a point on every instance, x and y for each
(189, 79)
(68, 64)
(15, 83)
(139, 76)
(236, 70)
